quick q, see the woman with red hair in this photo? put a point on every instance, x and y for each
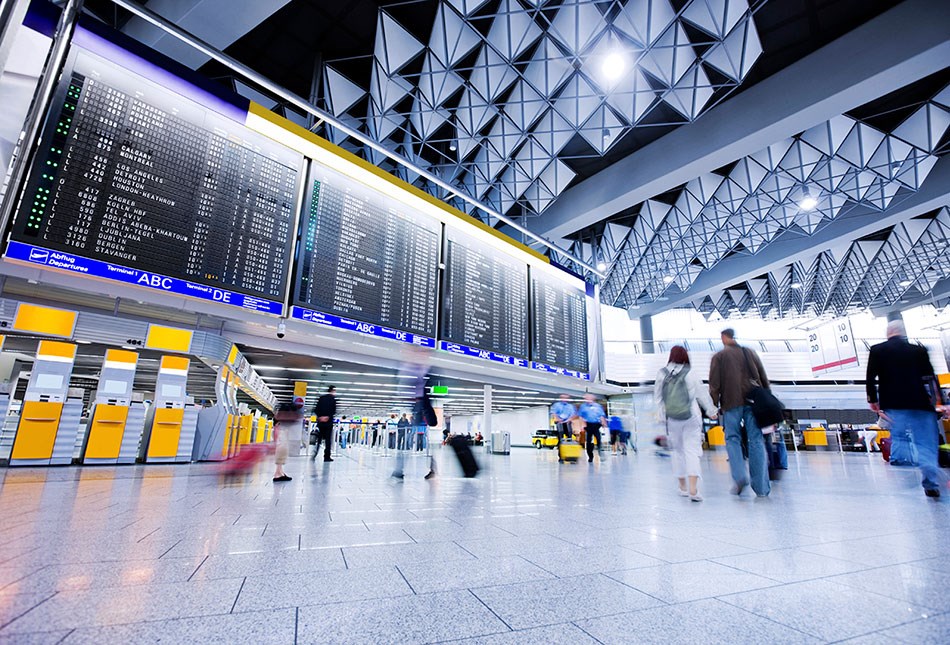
(679, 394)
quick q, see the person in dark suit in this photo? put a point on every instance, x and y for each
(324, 411)
(897, 379)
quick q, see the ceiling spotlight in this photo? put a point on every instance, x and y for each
(601, 266)
(613, 66)
(453, 146)
(667, 279)
(905, 283)
(808, 203)
(796, 285)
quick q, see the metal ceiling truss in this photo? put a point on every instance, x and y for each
(498, 97)
(905, 263)
(835, 166)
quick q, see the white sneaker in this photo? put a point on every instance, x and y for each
(696, 498)
(683, 493)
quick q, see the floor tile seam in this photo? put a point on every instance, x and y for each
(649, 595)
(455, 542)
(67, 635)
(25, 575)
(296, 624)
(200, 564)
(3, 626)
(741, 570)
(240, 589)
(405, 579)
(594, 638)
(769, 619)
(831, 579)
(492, 611)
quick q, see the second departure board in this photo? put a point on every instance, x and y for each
(558, 323)
(484, 298)
(366, 257)
(155, 188)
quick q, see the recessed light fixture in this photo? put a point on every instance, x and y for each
(601, 266)
(613, 66)
(667, 279)
(453, 146)
(905, 283)
(808, 203)
(796, 285)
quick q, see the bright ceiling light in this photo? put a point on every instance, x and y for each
(808, 203)
(796, 285)
(613, 66)
(905, 283)
(601, 266)
(667, 279)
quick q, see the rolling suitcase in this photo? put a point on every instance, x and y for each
(569, 450)
(885, 446)
(464, 453)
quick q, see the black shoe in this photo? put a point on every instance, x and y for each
(327, 459)
(430, 475)
(283, 478)
(932, 492)
(398, 476)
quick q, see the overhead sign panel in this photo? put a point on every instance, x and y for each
(484, 300)
(831, 347)
(140, 183)
(558, 324)
(366, 258)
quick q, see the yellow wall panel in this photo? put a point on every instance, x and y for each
(44, 320)
(168, 338)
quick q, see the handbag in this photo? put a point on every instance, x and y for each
(766, 408)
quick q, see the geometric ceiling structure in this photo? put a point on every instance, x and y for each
(800, 183)
(744, 157)
(499, 95)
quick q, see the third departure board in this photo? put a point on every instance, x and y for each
(366, 257)
(484, 297)
(155, 188)
(558, 323)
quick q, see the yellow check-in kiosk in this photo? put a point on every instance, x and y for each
(260, 427)
(51, 412)
(117, 421)
(245, 425)
(173, 418)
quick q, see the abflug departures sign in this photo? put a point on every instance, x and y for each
(137, 183)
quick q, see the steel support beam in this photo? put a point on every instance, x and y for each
(905, 44)
(940, 291)
(790, 247)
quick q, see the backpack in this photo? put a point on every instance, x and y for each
(428, 412)
(676, 398)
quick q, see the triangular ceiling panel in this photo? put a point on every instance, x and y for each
(394, 45)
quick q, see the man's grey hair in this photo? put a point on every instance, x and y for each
(896, 328)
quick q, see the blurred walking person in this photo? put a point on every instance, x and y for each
(898, 377)
(679, 394)
(733, 372)
(594, 418)
(325, 410)
(563, 412)
(287, 430)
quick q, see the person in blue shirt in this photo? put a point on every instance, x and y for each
(594, 417)
(563, 411)
(618, 443)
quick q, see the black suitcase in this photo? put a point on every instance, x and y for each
(464, 453)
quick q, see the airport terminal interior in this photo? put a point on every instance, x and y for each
(474, 321)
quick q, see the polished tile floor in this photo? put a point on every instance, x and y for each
(846, 549)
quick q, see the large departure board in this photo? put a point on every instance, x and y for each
(558, 323)
(366, 257)
(152, 187)
(484, 298)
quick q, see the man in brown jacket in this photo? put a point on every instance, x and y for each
(731, 374)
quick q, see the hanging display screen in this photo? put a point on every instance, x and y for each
(366, 258)
(136, 182)
(484, 300)
(558, 323)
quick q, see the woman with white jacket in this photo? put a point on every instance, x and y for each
(679, 393)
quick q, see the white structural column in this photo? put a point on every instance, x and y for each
(903, 45)
(486, 416)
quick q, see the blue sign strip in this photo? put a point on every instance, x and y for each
(465, 350)
(563, 371)
(97, 268)
(330, 320)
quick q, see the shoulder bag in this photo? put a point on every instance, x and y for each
(766, 408)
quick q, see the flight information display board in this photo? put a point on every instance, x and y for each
(558, 323)
(484, 301)
(366, 258)
(139, 183)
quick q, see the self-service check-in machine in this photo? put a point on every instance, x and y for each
(245, 425)
(216, 424)
(51, 411)
(172, 418)
(117, 422)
